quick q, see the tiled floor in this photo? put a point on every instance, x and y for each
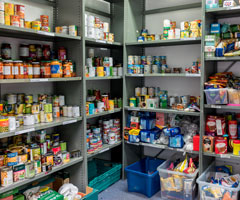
(118, 191)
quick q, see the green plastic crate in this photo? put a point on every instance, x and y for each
(107, 173)
(92, 196)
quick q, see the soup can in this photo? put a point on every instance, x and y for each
(76, 111)
(56, 112)
(6, 176)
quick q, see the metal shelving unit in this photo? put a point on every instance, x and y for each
(61, 13)
(137, 15)
(112, 11)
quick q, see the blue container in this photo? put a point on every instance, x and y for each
(143, 176)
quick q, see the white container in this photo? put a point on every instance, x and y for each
(120, 71)
(12, 123)
(111, 138)
(97, 34)
(76, 111)
(61, 100)
(203, 184)
(100, 106)
(92, 71)
(166, 23)
(65, 111)
(91, 32)
(91, 53)
(90, 21)
(28, 120)
(70, 111)
(64, 29)
(186, 183)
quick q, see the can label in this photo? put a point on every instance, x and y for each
(55, 69)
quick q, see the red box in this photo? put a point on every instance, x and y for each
(196, 140)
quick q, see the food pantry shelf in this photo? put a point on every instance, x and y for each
(224, 107)
(116, 110)
(106, 147)
(169, 42)
(45, 2)
(102, 43)
(103, 78)
(163, 111)
(26, 33)
(229, 155)
(39, 80)
(225, 12)
(235, 58)
(41, 175)
(56, 122)
(165, 75)
(159, 146)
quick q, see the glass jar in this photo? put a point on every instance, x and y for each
(1, 70)
(47, 69)
(39, 52)
(42, 69)
(32, 52)
(62, 54)
(36, 69)
(66, 69)
(30, 69)
(8, 69)
(55, 69)
(25, 70)
(6, 51)
(18, 69)
(24, 51)
(46, 52)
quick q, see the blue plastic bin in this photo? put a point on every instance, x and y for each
(143, 176)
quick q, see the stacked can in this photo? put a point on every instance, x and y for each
(37, 153)
(2, 17)
(146, 64)
(97, 29)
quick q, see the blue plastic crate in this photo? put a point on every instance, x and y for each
(143, 176)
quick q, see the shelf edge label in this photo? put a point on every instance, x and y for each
(101, 41)
(46, 33)
(39, 80)
(104, 150)
(24, 131)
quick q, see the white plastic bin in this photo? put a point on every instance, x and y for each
(176, 185)
(205, 187)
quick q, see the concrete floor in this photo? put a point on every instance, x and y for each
(119, 191)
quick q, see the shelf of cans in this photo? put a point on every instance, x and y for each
(36, 61)
(222, 41)
(160, 130)
(223, 89)
(98, 103)
(26, 110)
(158, 65)
(222, 134)
(102, 67)
(187, 30)
(212, 5)
(14, 15)
(106, 132)
(25, 156)
(153, 98)
(97, 29)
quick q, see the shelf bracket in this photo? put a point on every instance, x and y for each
(230, 66)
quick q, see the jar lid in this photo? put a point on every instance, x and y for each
(7, 61)
(35, 63)
(236, 141)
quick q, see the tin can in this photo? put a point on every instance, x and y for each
(12, 123)
(29, 98)
(30, 170)
(151, 91)
(133, 102)
(144, 90)
(130, 60)
(155, 69)
(27, 24)
(44, 20)
(11, 98)
(72, 30)
(65, 111)
(61, 100)
(111, 105)
(56, 101)
(149, 60)
(37, 166)
(76, 111)
(6, 176)
(35, 108)
(9, 9)
(91, 32)
(63, 146)
(35, 153)
(43, 148)
(44, 167)
(49, 159)
(12, 158)
(18, 172)
(37, 118)
(48, 108)
(2, 17)
(22, 158)
(36, 25)
(19, 11)
(1, 6)
(137, 60)
(147, 69)
(70, 111)
(56, 150)
(28, 120)
(48, 117)
(56, 112)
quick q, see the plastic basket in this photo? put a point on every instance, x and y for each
(216, 96)
(185, 184)
(106, 174)
(92, 196)
(143, 176)
(206, 189)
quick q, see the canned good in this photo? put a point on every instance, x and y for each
(70, 111)
(76, 111)
(56, 112)
(12, 158)
(11, 98)
(6, 176)
(49, 159)
(30, 170)
(19, 11)
(63, 146)
(65, 157)
(72, 30)
(35, 153)
(36, 25)
(29, 98)
(133, 102)
(18, 172)
(37, 166)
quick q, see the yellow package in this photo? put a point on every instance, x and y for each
(182, 165)
(216, 192)
(167, 184)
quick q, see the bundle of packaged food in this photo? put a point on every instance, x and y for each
(223, 88)
(178, 178)
(162, 129)
(220, 181)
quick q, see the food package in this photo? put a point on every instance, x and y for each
(221, 145)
